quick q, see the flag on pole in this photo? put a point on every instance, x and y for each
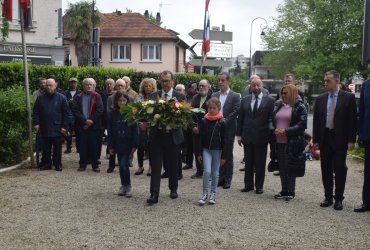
(206, 46)
(7, 9)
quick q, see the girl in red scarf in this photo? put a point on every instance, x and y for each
(210, 148)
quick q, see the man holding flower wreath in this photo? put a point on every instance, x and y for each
(165, 142)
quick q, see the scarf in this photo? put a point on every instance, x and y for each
(216, 117)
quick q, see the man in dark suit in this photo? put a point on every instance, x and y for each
(70, 93)
(88, 111)
(230, 103)
(165, 143)
(334, 132)
(364, 134)
(254, 125)
(200, 101)
(51, 114)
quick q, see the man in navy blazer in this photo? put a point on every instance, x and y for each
(334, 132)
(364, 135)
(230, 104)
(165, 143)
(254, 127)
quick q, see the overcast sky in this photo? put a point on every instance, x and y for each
(183, 16)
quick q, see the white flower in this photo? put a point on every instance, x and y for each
(161, 101)
(150, 110)
(157, 116)
(151, 102)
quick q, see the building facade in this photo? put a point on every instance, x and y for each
(130, 40)
(43, 37)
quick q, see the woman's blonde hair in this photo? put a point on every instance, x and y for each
(150, 81)
(291, 93)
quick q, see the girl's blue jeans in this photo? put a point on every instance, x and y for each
(124, 171)
(211, 165)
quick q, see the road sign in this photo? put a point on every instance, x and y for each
(215, 35)
(218, 50)
(211, 63)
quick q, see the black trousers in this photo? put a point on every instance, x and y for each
(226, 171)
(255, 165)
(163, 150)
(51, 145)
(333, 159)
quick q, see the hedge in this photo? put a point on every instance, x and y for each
(13, 74)
(13, 125)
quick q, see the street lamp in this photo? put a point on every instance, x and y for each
(250, 42)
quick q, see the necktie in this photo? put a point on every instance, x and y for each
(331, 112)
(165, 96)
(255, 107)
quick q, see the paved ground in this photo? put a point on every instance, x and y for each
(81, 210)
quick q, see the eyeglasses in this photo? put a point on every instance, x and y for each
(202, 86)
(284, 93)
(165, 81)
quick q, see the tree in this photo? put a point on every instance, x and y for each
(312, 36)
(79, 19)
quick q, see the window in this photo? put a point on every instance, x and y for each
(121, 52)
(16, 12)
(151, 52)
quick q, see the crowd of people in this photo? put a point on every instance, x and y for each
(255, 118)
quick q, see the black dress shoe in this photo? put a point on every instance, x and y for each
(42, 168)
(227, 185)
(164, 175)
(179, 177)
(67, 151)
(110, 170)
(246, 189)
(362, 208)
(338, 205)
(220, 183)
(58, 168)
(173, 195)
(152, 199)
(326, 202)
(242, 169)
(259, 191)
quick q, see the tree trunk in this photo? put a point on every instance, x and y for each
(82, 53)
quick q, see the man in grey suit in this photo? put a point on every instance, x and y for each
(254, 124)
(230, 103)
(165, 143)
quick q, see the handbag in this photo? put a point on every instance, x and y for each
(296, 159)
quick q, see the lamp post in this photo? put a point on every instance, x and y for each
(250, 43)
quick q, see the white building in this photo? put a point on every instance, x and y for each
(43, 39)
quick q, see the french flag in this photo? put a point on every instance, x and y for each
(206, 46)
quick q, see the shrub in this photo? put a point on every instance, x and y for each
(13, 125)
(12, 74)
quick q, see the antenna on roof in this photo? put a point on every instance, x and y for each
(161, 5)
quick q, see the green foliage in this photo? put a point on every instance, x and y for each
(13, 74)
(312, 36)
(4, 29)
(79, 19)
(358, 151)
(13, 125)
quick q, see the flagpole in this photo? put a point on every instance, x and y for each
(26, 81)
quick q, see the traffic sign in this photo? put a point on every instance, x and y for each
(211, 63)
(217, 50)
(215, 35)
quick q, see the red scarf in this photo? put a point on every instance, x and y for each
(216, 117)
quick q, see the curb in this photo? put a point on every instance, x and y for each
(2, 170)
